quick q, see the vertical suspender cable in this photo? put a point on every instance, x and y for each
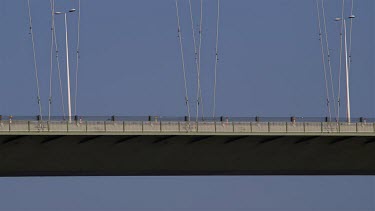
(199, 57)
(217, 56)
(328, 55)
(77, 62)
(196, 60)
(34, 56)
(323, 59)
(340, 64)
(183, 60)
(52, 2)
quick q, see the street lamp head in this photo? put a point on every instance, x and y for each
(352, 16)
(59, 13)
(338, 19)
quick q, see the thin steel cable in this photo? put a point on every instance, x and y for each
(350, 35)
(196, 60)
(183, 61)
(340, 64)
(199, 56)
(78, 56)
(59, 70)
(35, 62)
(328, 56)
(323, 60)
(52, 2)
(217, 56)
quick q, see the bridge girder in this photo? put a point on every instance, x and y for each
(185, 155)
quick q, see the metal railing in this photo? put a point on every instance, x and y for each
(185, 118)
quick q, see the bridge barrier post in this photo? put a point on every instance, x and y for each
(161, 127)
(269, 128)
(356, 127)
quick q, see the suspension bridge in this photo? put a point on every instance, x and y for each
(74, 145)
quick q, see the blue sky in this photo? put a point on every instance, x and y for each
(193, 193)
(270, 65)
(270, 61)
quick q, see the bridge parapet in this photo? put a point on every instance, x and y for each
(183, 127)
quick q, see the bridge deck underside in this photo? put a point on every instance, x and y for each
(146, 155)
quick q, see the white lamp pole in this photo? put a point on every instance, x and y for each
(347, 77)
(67, 62)
(347, 68)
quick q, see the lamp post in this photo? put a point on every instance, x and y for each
(347, 68)
(67, 60)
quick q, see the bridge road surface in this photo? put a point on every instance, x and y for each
(114, 148)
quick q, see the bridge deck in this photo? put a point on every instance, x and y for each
(29, 148)
(169, 127)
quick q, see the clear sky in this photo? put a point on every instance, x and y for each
(270, 65)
